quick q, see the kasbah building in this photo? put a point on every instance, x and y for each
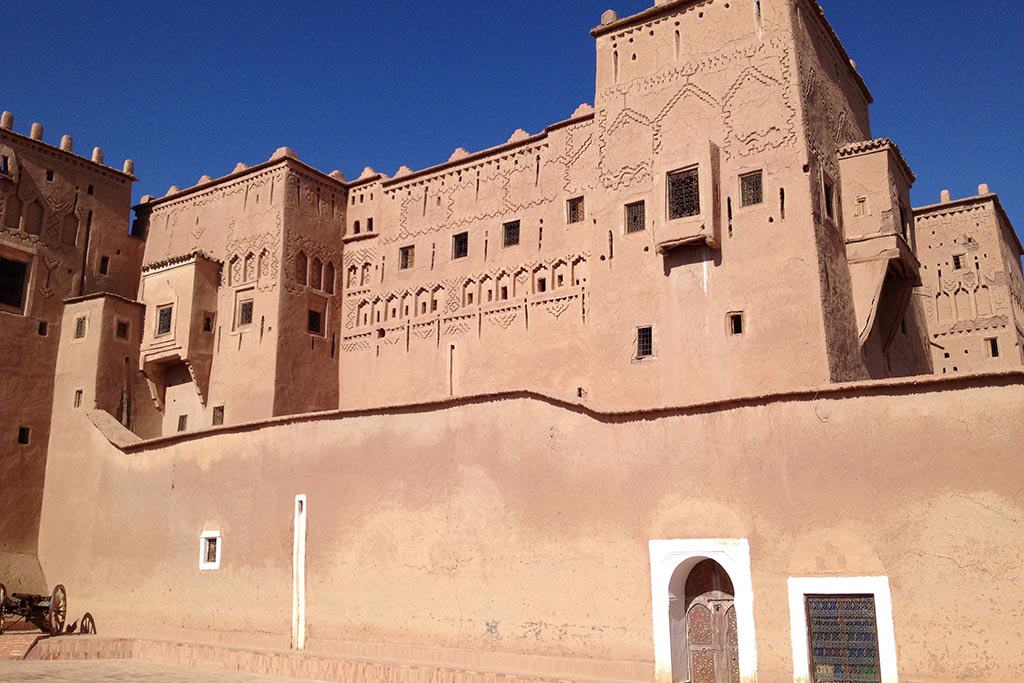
(681, 388)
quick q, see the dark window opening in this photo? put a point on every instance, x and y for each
(5, 165)
(576, 210)
(208, 323)
(958, 262)
(992, 346)
(510, 234)
(407, 257)
(164, 316)
(369, 225)
(104, 265)
(751, 188)
(636, 216)
(315, 322)
(504, 293)
(542, 284)
(80, 328)
(78, 398)
(122, 329)
(683, 194)
(644, 342)
(830, 199)
(24, 435)
(735, 324)
(356, 229)
(460, 245)
(218, 415)
(91, 190)
(44, 329)
(182, 423)
(843, 636)
(211, 550)
(49, 176)
(12, 282)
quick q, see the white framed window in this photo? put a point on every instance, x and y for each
(868, 591)
(672, 562)
(210, 547)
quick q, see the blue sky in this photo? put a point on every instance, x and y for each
(191, 88)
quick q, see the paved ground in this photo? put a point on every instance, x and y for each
(121, 672)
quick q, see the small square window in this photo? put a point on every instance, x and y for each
(460, 245)
(78, 398)
(636, 217)
(315, 323)
(210, 548)
(992, 347)
(182, 423)
(122, 329)
(644, 342)
(751, 189)
(735, 324)
(958, 262)
(406, 257)
(104, 265)
(49, 176)
(218, 416)
(575, 210)
(24, 435)
(542, 285)
(861, 207)
(164, 317)
(510, 234)
(830, 198)
(80, 324)
(683, 194)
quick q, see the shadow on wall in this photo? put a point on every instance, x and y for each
(691, 256)
(21, 573)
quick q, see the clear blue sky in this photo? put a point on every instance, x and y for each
(191, 88)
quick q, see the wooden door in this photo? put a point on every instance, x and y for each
(711, 625)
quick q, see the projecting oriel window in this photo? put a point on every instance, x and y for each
(460, 245)
(12, 283)
(510, 234)
(644, 342)
(751, 188)
(843, 638)
(575, 210)
(636, 217)
(406, 257)
(683, 194)
(164, 317)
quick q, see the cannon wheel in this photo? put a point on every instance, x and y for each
(88, 626)
(58, 610)
(3, 599)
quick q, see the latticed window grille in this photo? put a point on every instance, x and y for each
(751, 189)
(182, 423)
(218, 415)
(636, 217)
(407, 257)
(644, 342)
(80, 328)
(460, 245)
(843, 635)
(683, 194)
(510, 234)
(164, 315)
(576, 210)
(245, 313)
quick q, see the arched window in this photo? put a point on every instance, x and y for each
(301, 268)
(69, 230)
(12, 213)
(316, 274)
(353, 272)
(364, 278)
(34, 218)
(329, 278)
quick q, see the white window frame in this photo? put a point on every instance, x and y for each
(878, 586)
(203, 538)
(734, 556)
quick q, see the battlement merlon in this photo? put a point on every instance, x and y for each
(66, 149)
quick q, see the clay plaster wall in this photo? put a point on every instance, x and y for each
(432, 528)
(67, 219)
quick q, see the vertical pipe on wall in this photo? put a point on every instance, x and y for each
(299, 575)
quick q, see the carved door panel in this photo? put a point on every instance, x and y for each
(714, 648)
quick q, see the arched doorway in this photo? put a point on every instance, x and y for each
(702, 620)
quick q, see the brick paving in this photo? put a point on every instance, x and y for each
(121, 672)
